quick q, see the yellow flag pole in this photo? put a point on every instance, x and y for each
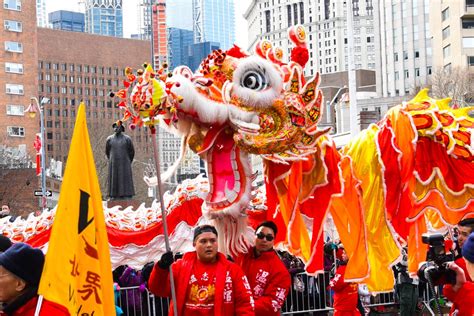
(163, 213)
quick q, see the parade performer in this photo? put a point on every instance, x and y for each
(346, 294)
(206, 282)
(268, 277)
(462, 293)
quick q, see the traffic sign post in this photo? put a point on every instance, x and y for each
(40, 193)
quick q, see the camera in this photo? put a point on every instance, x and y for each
(435, 269)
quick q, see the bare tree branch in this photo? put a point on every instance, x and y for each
(455, 83)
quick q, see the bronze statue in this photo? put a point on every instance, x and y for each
(120, 152)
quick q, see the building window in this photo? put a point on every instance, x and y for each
(14, 89)
(395, 56)
(397, 76)
(428, 70)
(446, 32)
(470, 60)
(295, 13)
(417, 72)
(405, 55)
(417, 54)
(13, 26)
(12, 5)
(468, 23)
(468, 42)
(14, 68)
(407, 74)
(14, 47)
(445, 14)
(17, 110)
(16, 131)
(301, 13)
(446, 51)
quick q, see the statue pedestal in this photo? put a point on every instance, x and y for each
(123, 203)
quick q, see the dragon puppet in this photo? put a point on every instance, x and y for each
(412, 170)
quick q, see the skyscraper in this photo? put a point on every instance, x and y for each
(67, 20)
(41, 13)
(197, 52)
(104, 17)
(160, 38)
(144, 19)
(404, 50)
(178, 41)
(180, 14)
(214, 21)
(326, 27)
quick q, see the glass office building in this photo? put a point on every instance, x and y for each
(104, 17)
(214, 21)
(67, 20)
(178, 40)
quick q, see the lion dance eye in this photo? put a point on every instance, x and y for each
(254, 80)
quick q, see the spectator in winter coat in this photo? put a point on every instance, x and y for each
(206, 282)
(20, 273)
(269, 279)
(462, 293)
(346, 294)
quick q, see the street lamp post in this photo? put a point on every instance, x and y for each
(34, 107)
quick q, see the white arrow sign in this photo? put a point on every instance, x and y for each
(40, 193)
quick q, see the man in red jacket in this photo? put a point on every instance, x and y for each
(465, 227)
(462, 293)
(206, 282)
(269, 279)
(20, 272)
(346, 294)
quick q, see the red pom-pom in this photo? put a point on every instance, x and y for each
(300, 55)
(236, 52)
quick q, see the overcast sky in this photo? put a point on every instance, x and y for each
(130, 16)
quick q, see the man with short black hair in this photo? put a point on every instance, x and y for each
(462, 292)
(465, 227)
(206, 282)
(269, 279)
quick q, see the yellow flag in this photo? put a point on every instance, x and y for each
(77, 272)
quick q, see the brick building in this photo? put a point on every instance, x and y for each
(75, 66)
(67, 68)
(18, 79)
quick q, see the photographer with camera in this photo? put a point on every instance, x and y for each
(462, 292)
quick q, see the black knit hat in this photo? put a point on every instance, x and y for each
(204, 229)
(24, 261)
(5, 243)
(468, 248)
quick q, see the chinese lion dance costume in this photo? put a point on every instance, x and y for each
(412, 170)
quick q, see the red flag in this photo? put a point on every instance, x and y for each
(37, 145)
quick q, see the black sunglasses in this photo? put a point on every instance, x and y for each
(268, 237)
